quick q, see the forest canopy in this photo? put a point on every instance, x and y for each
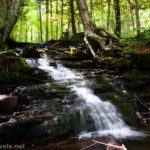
(42, 20)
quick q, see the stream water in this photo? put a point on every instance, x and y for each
(71, 107)
(97, 117)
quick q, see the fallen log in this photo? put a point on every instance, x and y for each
(112, 144)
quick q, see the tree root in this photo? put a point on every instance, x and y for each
(99, 39)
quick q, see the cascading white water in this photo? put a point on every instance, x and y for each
(104, 115)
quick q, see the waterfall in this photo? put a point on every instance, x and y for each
(106, 118)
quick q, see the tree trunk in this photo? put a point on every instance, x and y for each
(21, 29)
(72, 17)
(108, 14)
(57, 20)
(137, 16)
(102, 11)
(132, 14)
(91, 8)
(62, 16)
(31, 32)
(95, 38)
(27, 29)
(9, 12)
(40, 20)
(47, 21)
(117, 18)
(51, 24)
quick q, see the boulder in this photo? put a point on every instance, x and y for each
(53, 64)
(13, 69)
(8, 102)
(141, 59)
(30, 52)
(18, 50)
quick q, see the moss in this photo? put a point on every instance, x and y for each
(119, 64)
(3, 47)
(141, 59)
(12, 68)
(77, 38)
(123, 103)
(137, 79)
(144, 37)
(102, 85)
(109, 90)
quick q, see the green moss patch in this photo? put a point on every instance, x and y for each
(141, 59)
(136, 79)
(123, 103)
(12, 68)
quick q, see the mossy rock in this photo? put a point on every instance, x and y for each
(30, 52)
(3, 47)
(123, 103)
(77, 38)
(13, 68)
(109, 91)
(141, 59)
(102, 85)
(136, 79)
(119, 64)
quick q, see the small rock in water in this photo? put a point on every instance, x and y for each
(53, 64)
(18, 50)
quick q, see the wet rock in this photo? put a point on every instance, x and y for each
(8, 102)
(136, 79)
(53, 64)
(30, 52)
(8, 53)
(20, 72)
(66, 123)
(3, 119)
(143, 118)
(18, 50)
(3, 47)
(141, 59)
(38, 74)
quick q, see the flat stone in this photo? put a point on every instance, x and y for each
(8, 101)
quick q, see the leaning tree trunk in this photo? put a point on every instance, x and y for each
(9, 12)
(96, 38)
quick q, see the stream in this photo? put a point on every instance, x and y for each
(97, 118)
(105, 119)
(80, 109)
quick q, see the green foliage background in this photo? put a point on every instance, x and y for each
(27, 27)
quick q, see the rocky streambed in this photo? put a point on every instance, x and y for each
(48, 113)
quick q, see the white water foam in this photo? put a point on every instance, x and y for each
(106, 118)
